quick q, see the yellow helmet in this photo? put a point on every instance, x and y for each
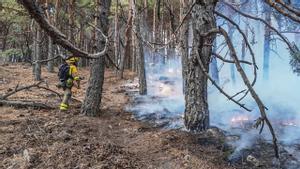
(73, 59)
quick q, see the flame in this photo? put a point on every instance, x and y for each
(289, 123)
(239, 120)
(165, 90)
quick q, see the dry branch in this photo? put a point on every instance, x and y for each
(262, 108)
(288, 7)
(173, 36)
(253, 93)
(17, 89)
(37, 85)
(58, 37)
(286, 41)
(218, 87)
(292, 14)
(47, 60)
(229, 61)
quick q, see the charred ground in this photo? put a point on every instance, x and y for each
(32, 138)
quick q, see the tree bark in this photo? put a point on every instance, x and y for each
(231, 32)
(116, 35)
(214, 71)
(50, 65)
(5, 36)
(71, 11)
(139, 53)
(196, 115)
(92, 101)
(37, 65)
(183, 43)
(125, 59)
(267, 39)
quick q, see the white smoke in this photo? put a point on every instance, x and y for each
(280, 94)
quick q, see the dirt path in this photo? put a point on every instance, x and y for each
(52, 139)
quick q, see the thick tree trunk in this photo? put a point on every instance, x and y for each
(196, 115)
(92, 101)
(267, 40)
(139, 53)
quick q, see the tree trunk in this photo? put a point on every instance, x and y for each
(232, 66)
(5, 36)
(37, 66)
(50, 66)
(81, 42)
(126, 57)
(139, 53)
(183, 43)
(146, 9)
(196, 115)
(116, 36)
(267, 39)
(244, 45)
(92, 101)
(71, 11)
(214, 71)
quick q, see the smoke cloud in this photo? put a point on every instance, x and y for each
(164, 103)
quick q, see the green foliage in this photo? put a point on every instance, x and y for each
(295, 60)
(11, 52)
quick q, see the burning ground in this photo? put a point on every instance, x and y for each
(164, 107)
(49, 139)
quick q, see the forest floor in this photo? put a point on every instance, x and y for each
(31, 138)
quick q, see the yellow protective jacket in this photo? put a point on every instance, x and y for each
(73, 72)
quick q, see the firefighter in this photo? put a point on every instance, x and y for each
(68, 76)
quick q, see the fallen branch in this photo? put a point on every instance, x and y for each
(50, 90)
(25, 104)
(17, 89)
(37, 85)
(112, 62)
